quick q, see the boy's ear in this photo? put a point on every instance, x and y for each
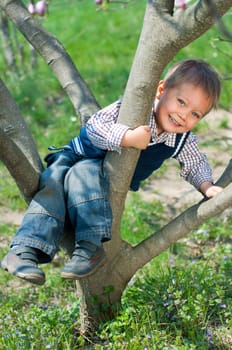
(160, 89)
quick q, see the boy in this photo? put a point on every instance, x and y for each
(75, 184)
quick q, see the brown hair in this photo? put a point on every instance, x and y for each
(198, 73)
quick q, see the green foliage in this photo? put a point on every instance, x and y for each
(224, 124)
(180, 302)
(140, 214)
(182, 299)
(9, 194)
(30, 332)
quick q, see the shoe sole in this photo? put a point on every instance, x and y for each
(74, 276)
(33, 278)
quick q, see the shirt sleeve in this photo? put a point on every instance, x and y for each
(194, 165)
(104, 131)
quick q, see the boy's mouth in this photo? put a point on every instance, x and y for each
(174, 121)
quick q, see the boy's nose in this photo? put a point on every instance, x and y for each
(182, 115)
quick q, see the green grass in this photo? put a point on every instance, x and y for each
(140, 214)
(181, 299)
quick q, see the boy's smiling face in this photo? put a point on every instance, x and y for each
(180, 108)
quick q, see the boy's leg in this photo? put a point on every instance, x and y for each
(38, 237)
(87, 191)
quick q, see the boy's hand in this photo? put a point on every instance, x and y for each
(209, 189)
(138, 138)
(212, 191)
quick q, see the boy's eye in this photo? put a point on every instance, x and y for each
(196, 115)
(181, 102)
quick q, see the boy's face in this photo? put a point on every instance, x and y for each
(180, 108)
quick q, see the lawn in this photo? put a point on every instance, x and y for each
(181, 299)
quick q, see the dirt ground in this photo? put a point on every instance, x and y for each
(215, 141)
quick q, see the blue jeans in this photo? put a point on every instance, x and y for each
(71, 188)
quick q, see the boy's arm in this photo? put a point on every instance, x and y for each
(209, 189)
(105, 133)
(138, 138)
(195, 168)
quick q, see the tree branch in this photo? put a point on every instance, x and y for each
(55, 55)
(195, 20)
(226, 178)
(182, 224)
(18, 150)
(215, 15)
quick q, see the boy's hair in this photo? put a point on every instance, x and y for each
(198, 73)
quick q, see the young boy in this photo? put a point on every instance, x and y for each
(75, 185)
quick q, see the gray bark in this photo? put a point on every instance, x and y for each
(7, 48)
(163, 34)
(18, 149)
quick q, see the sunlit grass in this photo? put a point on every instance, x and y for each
(181, 299)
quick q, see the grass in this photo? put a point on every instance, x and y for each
(181, 299)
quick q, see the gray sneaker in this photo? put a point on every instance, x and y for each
(24, 265)
(86, 259)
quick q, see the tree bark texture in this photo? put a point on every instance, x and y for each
(18, 149)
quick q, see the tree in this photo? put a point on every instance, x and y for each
(102, 291)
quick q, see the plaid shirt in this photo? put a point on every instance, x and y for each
(105, 133)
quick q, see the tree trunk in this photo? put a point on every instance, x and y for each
(164, 33)
(135, 109)
(101, 294)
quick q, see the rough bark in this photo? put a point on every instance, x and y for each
(18, 149)
(154, 51)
